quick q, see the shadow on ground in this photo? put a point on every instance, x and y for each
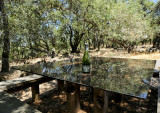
(53, 102)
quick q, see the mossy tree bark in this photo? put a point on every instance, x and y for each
(6, 40)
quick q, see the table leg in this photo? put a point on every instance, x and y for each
(100, 101)
(60, 85)
(35, 93)
(73, 94)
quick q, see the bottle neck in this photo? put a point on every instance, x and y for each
(86, 47)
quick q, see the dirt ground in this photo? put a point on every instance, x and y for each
(52, 102)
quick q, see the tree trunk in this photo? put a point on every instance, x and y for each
(94, 43)
(6, 40)
(99, 42)
(156, 42)
(74, 48)
(54, 42)
(74, 44)
(130, 48)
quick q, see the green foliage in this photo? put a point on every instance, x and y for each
(38, 26)
(128, 22)
(156, 18)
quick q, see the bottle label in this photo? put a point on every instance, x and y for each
(86, 68)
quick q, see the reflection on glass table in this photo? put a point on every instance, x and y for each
(125, 76)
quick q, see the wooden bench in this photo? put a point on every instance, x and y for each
(17, 84)
(10, 104)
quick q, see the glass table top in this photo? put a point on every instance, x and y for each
(124, 76)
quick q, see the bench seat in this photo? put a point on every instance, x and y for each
(8, 84)
(10, 104)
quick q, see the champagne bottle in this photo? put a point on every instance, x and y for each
(86, 60)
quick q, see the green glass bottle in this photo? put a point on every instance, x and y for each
(86, 60)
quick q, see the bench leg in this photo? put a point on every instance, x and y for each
(73, 101)
(60, 85)
(100, 101)
(35, 93)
